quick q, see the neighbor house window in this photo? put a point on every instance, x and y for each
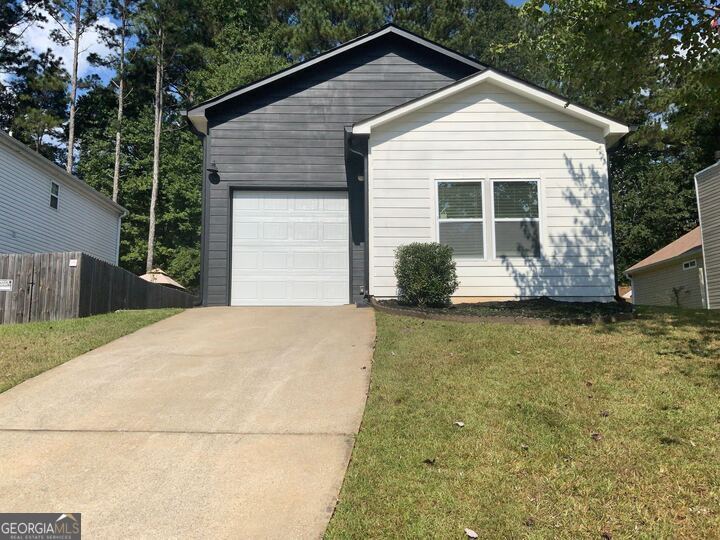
(516, 218)
(689, 265)
(54, 195)
(460, 218)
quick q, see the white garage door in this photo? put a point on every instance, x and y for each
(289, 248)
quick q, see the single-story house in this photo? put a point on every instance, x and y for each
(316, 174)
(707, 189)
(44, 209)
(672, 276)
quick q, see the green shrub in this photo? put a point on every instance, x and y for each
(425, 274)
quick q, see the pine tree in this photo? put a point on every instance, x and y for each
(74, 18)
(41, 89)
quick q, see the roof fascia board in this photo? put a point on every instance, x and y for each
(58, 173)
(692, 251)
(197, 116)
(700, 175)
(611, 129)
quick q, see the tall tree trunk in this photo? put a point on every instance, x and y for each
(121, 92)
(73, 86)
(159, 74)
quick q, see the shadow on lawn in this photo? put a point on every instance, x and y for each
(680, 333)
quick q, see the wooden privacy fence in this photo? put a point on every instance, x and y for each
(52, 286)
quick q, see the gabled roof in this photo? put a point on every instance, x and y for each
(684, 245)
(58, 173)
(612, 129)
(196, 115)
(708, 172)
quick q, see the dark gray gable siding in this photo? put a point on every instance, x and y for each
(290, 135)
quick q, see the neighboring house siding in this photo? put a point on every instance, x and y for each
(708, 194)
(290, 135)
(29, 225)
(668, 284)
(490, 133)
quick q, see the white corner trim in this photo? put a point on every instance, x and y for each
(611, 129)
(702, 241)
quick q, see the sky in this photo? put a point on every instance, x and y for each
(37, 37)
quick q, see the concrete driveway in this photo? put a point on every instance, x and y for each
(218, 422)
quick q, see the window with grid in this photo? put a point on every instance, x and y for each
(54, 195)
(516, 218)
(460, 218)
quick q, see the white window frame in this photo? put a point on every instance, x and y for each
(538, 219)
(689, 265)
(54, 196)
(436, 213)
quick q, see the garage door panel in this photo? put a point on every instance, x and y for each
(290, 248)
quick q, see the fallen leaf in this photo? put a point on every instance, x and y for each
(429, 461)
(588, 383)
(460, 424)
(596, 436)
(470, 533)
(606, 535)
(604, 414)
(525, 447)
(530, 522)
(393, 353)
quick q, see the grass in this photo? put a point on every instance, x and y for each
(570, 432)
(538, 308)
(29, 349)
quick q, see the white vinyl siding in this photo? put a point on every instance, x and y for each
(28, 223)
(488, 133)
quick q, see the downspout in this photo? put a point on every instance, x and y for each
(202, 295)
(366, 257)
(612, 220)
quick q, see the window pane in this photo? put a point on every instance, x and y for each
(53, 201)
(515, 199)
(54, 188)
(457, 200)
(517, 239)
(466, 238)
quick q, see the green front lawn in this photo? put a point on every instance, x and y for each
(570, 432)
(29, 349)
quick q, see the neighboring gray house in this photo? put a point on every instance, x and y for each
(707, 188)
(315, 175)
(686, 272)
(44, 209)
(672, 276)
